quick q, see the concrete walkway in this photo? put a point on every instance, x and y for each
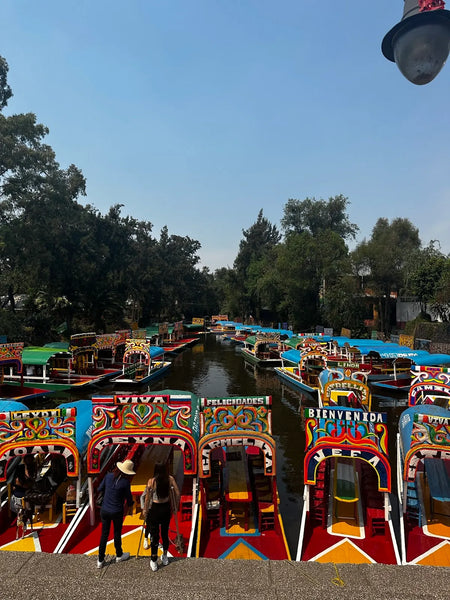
(39, 576)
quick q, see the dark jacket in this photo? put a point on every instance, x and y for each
(116, 491)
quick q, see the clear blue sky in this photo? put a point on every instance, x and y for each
(196, 114)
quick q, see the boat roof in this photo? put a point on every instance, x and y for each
(433, 360)
(84, 426)
(408, 416)
(166, 417)
(40, 355)
(62, 345)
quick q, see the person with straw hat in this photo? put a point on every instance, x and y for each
(116, 487)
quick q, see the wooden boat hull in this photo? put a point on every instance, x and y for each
(289, 376)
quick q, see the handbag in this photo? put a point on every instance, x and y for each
(146, 502)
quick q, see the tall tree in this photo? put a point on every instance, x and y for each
(313, 216)
(384, 260)
(258, 241)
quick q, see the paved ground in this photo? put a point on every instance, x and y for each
(39, 576)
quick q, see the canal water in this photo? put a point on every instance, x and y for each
(214, 367)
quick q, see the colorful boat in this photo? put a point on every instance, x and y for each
(85, 356)
(146, 429)
(111, 347)
(13, 383)
(430, 385)
(57, 439)
(344, 388)
(346, 515)
(238, 515)
(142, 362)
(264, 348)
(305, 374)
(50, 367)
(423, 472)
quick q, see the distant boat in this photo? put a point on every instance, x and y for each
(142, 362)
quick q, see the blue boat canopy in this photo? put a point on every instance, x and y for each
(84, 424)
(433, 360)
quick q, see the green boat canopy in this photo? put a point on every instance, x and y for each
(40, 355)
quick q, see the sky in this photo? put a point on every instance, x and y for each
(197, 114)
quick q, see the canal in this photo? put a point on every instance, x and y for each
(214, 367)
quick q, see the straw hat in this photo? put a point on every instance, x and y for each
(126, 467)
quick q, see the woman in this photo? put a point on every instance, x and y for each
(117, 490)
(24, 479)
(162, 498)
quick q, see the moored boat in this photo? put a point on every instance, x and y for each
(142, 362)
(238, 514)
(146, 429)
(346, 516)
(423, 472)
(264, 348)
(305, 375)
(56, 440)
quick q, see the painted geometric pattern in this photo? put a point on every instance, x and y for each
(236, 418)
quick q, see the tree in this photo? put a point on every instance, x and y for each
(5, 90)
(385, 260)
(259, 239)
(314, 216)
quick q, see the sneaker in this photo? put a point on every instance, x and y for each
(146, 544)
(100, 564)
(153, 565)
(125, 556)
(165, 560)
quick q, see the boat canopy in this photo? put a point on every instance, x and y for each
(433, 360)
(350, 433)
(84, 422)
(168, 417)
(48, 431)
(58, 345)
(236, 421)
(292, 356)
(424, 433)
(40, 355)
(11, 354)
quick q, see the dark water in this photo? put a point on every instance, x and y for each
(213, 368)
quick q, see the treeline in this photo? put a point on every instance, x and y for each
(65, 267)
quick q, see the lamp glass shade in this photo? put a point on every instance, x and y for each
(420, 52)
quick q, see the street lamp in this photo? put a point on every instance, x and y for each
(420, 43)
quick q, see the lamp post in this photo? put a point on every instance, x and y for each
(420, 43)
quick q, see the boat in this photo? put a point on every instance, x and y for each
(110, 348)
(50, 367)
(347, 508)
(57, 439)
(146, 429)
(401, 380)
(430, 385)
(304, 376)
(170, 337)
(142, 362)
(264, 348)
(13, 382)
(344, 388)
(423, 472)
(238, 513)
(84, 348)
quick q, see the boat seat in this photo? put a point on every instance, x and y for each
(266, 516)
(68, 510)
(186, 507)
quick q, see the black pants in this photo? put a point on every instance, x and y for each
(116, 519)
(158, 520)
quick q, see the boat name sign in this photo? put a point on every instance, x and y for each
(345, 415)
